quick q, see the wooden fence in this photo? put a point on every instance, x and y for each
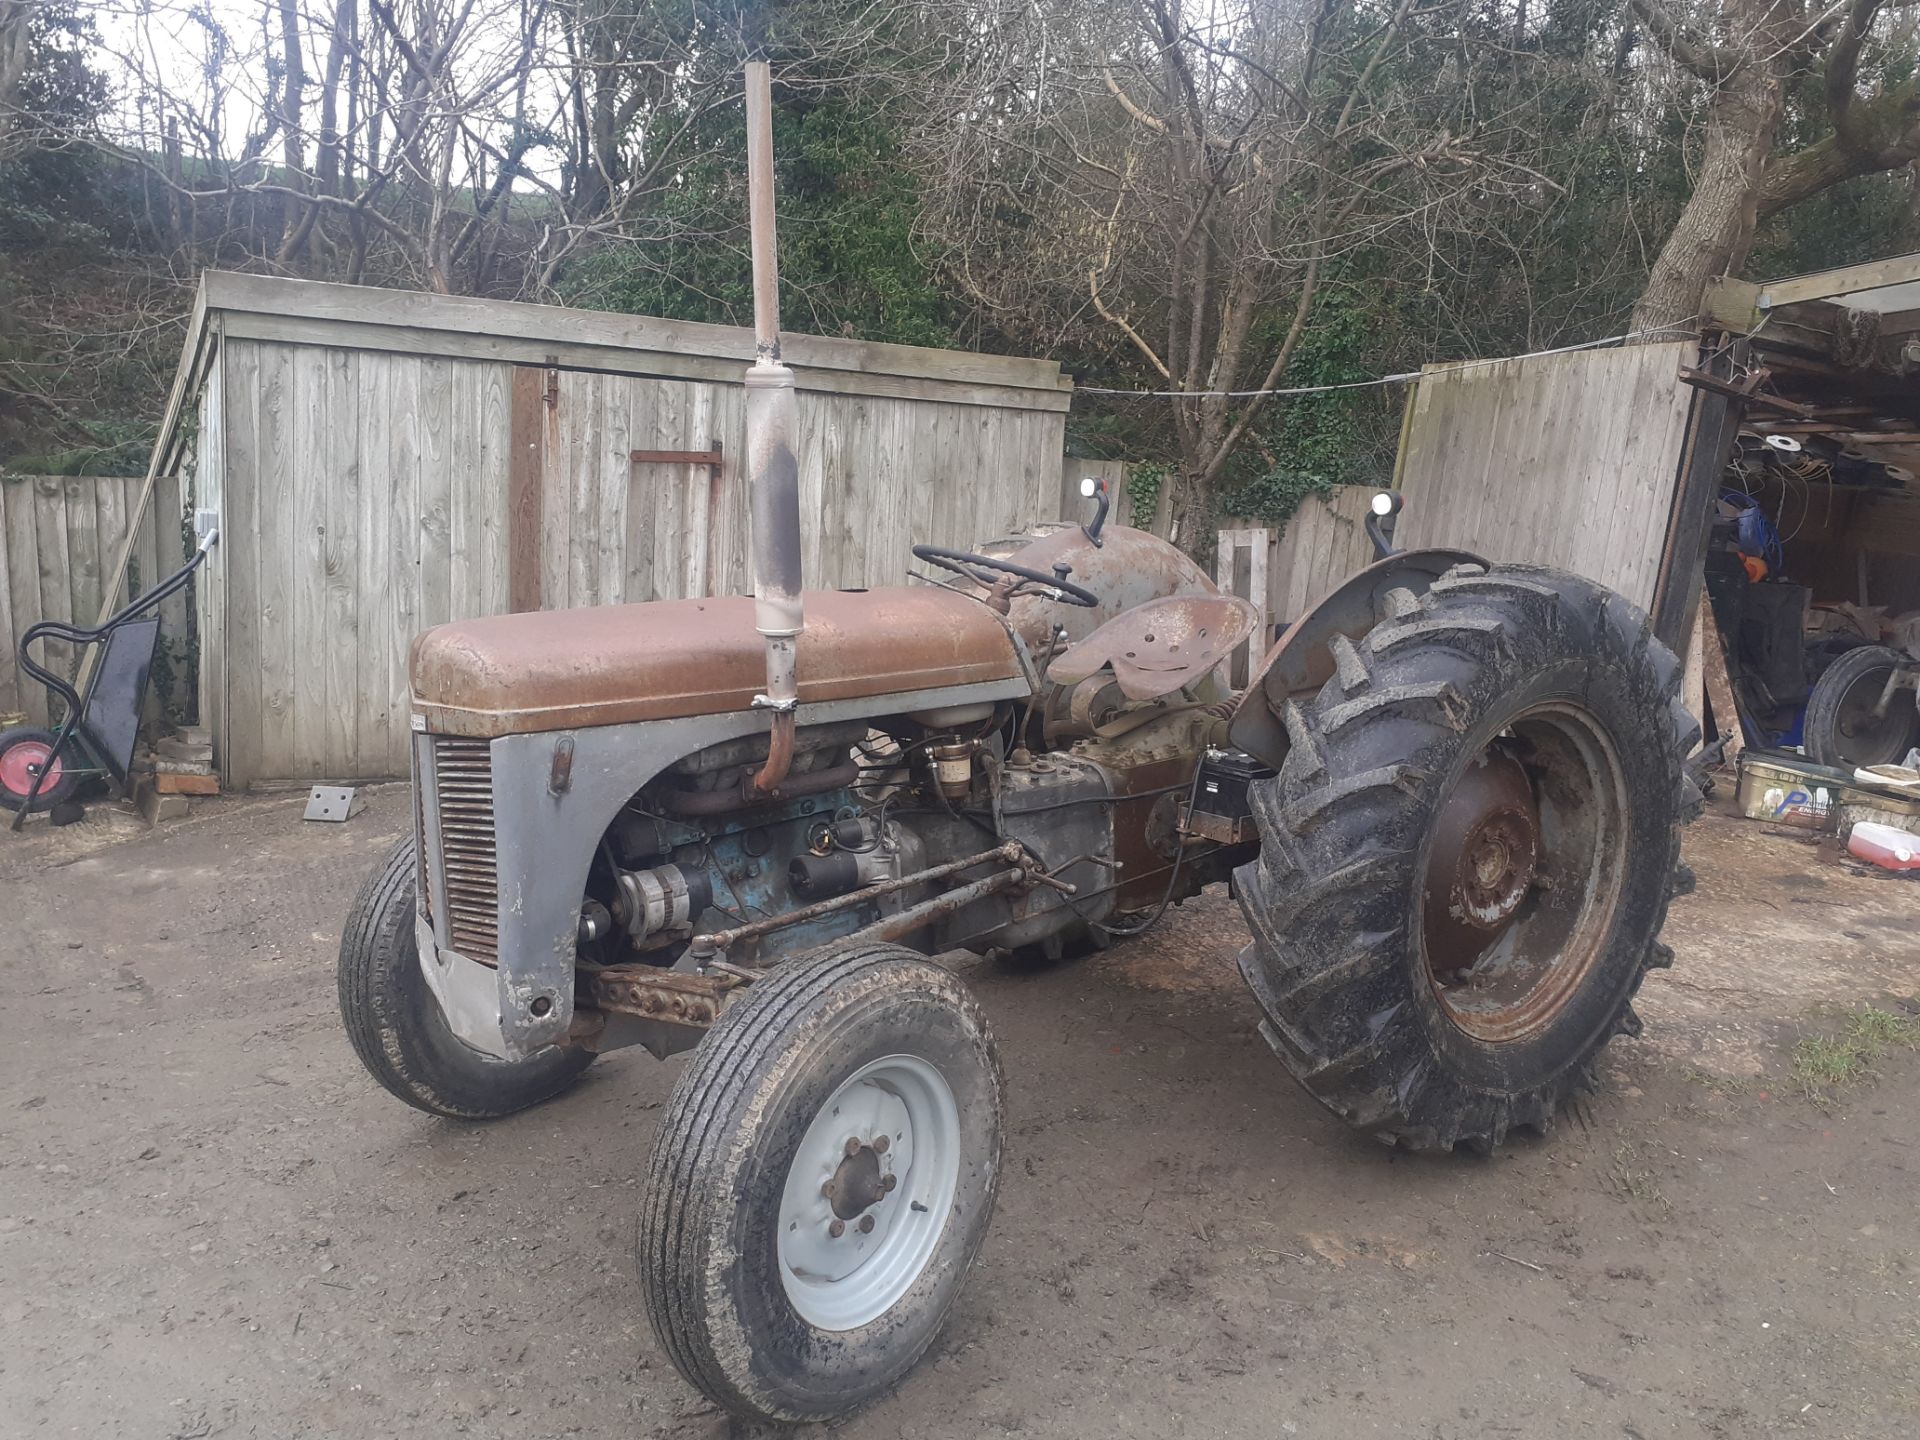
(1285, 571)
(1567, 460)
(60, 538)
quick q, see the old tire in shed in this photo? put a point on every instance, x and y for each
(822, 1181)
(1841, 729)
(395, 1024)
(1467, 856)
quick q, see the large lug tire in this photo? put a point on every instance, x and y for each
(1840, 729)
(23, 752)
(824, 1176)
(1467, 857)
(396, 1026)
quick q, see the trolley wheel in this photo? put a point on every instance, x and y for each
(395, 1024)
(822, 1182)
(24, 754)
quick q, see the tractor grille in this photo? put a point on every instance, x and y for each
(422, 847)
(463, 782)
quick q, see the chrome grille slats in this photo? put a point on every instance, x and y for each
(463, 792)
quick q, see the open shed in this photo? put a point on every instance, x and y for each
(1633, 465)
(383, 461)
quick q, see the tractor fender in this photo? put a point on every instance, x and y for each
(1300, 662)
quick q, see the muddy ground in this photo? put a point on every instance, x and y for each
(212, 1223)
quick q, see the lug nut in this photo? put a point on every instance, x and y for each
(880, 1144)
(837, 1229)
(853, 1146)
(887, 1182)
(826, 1189)
(866, 1224)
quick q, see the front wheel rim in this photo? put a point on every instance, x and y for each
(868, 1194)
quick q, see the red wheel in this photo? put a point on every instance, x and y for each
(26, 755)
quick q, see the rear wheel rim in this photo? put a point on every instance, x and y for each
(868, 1194)
(1523, 875)
(23, 760)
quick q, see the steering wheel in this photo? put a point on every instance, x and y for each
(964, 563)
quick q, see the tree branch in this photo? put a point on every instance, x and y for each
(1709, 62)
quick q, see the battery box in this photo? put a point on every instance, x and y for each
(1222, 807)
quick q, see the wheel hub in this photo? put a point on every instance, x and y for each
(23, 763)
(1485, 859)
(858, 1182)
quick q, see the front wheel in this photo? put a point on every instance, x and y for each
(395, 1024)
(26, 755)
(824, 1176)
(1467, 856)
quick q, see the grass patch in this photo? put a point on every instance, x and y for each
(1719, 1084)
(1635, 1179)
(1827, 1065)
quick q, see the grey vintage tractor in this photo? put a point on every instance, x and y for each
(1449, 801)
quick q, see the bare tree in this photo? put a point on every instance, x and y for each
(1184, 177)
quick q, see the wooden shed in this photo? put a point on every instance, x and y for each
(383, 461)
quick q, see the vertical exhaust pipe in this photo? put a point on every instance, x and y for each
(771, 465)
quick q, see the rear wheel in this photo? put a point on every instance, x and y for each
(822, 1181)
(1841, 729)
(1467, 857)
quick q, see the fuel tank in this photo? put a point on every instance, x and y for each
(1125, 568)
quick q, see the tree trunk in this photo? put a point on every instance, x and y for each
(1715, 229)
(15, 46)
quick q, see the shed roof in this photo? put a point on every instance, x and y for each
(364, 317)
(1888, 290)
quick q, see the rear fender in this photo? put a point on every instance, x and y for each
(1300, 662)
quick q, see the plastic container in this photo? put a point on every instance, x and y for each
(1884, 846)
(1788, 790)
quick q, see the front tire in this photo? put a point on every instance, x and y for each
(823, 1178)
(395, 1024)
(1467, 856)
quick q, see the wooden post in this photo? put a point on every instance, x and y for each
(1256, 542)
(1726, 712)
(526, 477)
(1693, 678)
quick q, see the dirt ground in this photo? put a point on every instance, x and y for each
(212, 1222)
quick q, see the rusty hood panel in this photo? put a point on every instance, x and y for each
(612, 664)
